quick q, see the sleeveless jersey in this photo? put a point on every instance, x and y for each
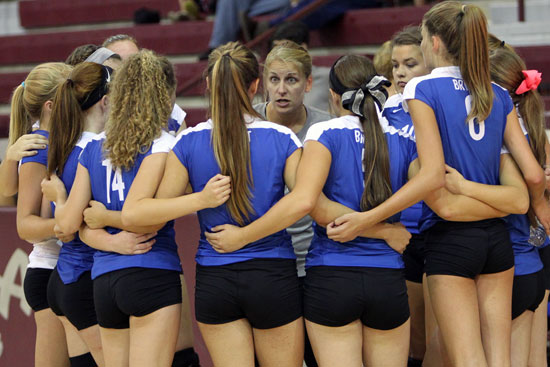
(471, 147)
(270, 146)
(344, 138)
(110, 186)
(75, 257)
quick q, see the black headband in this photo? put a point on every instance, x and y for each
(354, 99)
(100, 90)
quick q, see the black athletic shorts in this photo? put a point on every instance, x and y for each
(35, 287)
(134, 292)
(467, 249)
(266, 292)
(414, 257)
(338, 295)
(75, 301)
(527, 293)
(544, 254)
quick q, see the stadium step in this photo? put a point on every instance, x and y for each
(56, 13)
(359, 27)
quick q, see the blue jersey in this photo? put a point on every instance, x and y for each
(270, 146)
(344, 138)
(396, 116)
(75, 257)
(526, 256)
(110, 186)
(470, 147)
(42, 154)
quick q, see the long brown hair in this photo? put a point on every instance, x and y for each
(28, 98)
(409, 35)
(354, 71)
(67, 120)
(506, 70)
(140, 99)
(463, 30)
(232, 68)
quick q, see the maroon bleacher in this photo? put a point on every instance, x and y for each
(360, 27)
(172, 39)
(4, 126)
(68, 12)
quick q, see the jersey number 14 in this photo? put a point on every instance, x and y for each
(117, 184)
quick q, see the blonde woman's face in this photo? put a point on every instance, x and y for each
(286, 86)
(407, 63)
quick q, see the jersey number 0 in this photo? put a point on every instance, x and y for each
(471, 123)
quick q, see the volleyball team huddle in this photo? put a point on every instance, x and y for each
(416, 213)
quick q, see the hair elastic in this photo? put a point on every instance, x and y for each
(531, 81)
(100, 90)
(354, 99)
(100, 55)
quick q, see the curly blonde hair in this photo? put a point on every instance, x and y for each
(140, 97)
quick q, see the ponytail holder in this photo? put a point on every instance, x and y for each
(531, 81)
(23, 84)
(502, 43)
(70, 82)
(463, 9)
(354, 100)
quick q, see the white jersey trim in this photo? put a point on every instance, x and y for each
(349, 122)
(251, 123)
(394, 101)
(178, 114)
(162, 144)
(443, 72)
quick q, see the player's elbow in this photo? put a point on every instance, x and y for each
(446, 212)
(521, 205)
(535, 178)
(67, 225)
(129, 217)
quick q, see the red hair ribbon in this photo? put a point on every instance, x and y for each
(531, 81)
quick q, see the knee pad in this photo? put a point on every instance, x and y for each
(83, 360)
(186, 358)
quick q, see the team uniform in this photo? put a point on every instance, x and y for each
(176, 119)
(529, 280)
(259, 281)
(301, 232)
(70, 289)
(43, 257)
(130, 285)
(413, 256)
(464, 248)
(363, 278)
